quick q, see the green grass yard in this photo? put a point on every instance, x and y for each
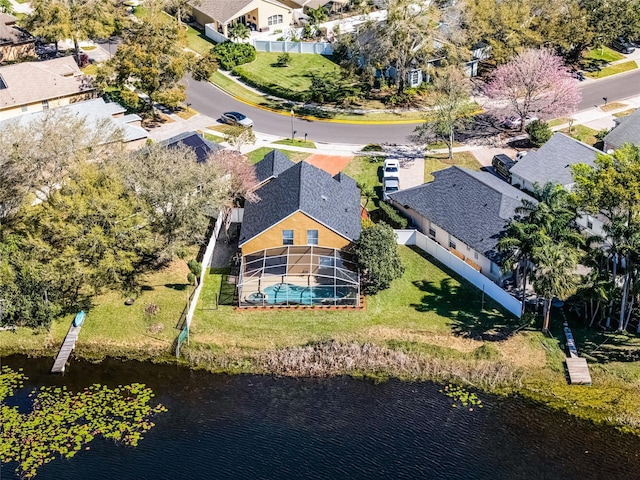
(435, 162)
(603, 54)
(583, 134)
(613, 69)
(258, 154)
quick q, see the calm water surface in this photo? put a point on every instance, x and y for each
(251, 427)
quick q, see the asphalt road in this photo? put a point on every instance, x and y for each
(211, 101)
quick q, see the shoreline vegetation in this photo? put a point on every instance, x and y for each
(429, 326)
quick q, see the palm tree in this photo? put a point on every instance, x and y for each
(554, 276)
(238, 31)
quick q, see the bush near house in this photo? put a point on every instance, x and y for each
(230, 55)
(539, 132)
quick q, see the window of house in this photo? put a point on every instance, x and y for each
(312, 237)
(274, 19)
(327, 261)
(452, 244)
(432, 232)
(45, 104)
(589, 224)
(287, 237)
(475, 255)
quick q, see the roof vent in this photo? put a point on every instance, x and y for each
(323, 198)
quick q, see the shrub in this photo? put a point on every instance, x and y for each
(230, 54)
(372, 147)
(203, 67)
(284, 59)
(378, 258)
(539, 132)
(391, 216)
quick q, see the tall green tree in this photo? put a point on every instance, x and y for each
(554, 276)
(151, 58)
(404, 40)
(76, 20)
(238, 32)
(612, 189)
(378, 257)
(451, 108)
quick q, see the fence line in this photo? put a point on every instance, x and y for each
(444, 256)
(206, 261)
(318, 48)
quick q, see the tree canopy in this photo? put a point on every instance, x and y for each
(378, 257)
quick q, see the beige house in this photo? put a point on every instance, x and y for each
(15, 42)
(261, 15)
(36, 86)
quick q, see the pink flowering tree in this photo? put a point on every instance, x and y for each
(535, 82)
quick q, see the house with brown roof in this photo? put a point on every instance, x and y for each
(262, 15)
(15, 42)
(36, 86)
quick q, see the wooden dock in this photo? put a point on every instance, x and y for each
(68, 345)
(576, 366)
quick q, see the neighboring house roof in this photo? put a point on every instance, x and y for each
(626, 131)
(10, 33)
(196, 142)
(474, 207)
(226, 10)
(273, 164)
(30, 82)
(331, 201)
(95, 111)
(552, 162)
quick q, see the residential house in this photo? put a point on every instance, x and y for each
(272, 164)
(552, 163)
(261, 15)
(35, 86)
(627, 130)
(15, 42)
(98, 114)
(196, 141)
(293, 238)
(465, 211)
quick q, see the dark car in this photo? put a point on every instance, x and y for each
(236, 118)
(501, 164)
(623, 46)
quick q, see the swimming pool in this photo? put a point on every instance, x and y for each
(288, 293)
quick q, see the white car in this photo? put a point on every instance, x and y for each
(236, 118)
(515, 121)
(391, 169)
(390, 185)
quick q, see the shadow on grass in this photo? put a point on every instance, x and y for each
(602, 346)
(473, 314)
(177, 286)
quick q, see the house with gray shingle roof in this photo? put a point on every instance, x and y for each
(293, 238)
(465, 211)
(15, 42)
(552, 163)
(196, 142)
(273, 164)
(627, 130)
(260, 15)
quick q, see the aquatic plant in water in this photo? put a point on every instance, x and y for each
(462, 396)
(61, 423)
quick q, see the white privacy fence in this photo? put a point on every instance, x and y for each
(444, 256)
(321, 48)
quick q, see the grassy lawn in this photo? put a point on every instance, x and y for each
(613, 69)
(113, 328)
(90, 69)
(613, 106)
(366, 169)
(604, 54)
(256, 155)
(433, 163)
(296, 143)
(558, 121)
(583, 134)
(197, 41)
(287, 82)
(214, 138)
(426, 305)
(186, 113)
(624, 113)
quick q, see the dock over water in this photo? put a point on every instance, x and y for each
(68, 345)
(576, 366)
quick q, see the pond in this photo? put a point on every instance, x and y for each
(254, 427)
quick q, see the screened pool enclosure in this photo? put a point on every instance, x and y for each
(298, 275)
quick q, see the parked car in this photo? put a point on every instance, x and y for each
(516, 121)
(623, 46)
(391, 168)
(390, 185)
(501, 164)
(236, 118)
